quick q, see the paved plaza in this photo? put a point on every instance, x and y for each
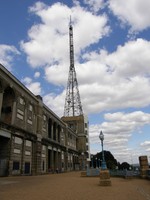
(70, 186)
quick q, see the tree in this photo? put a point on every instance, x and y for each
(124, 165)
(111, 162)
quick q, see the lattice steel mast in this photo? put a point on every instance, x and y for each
(73, 105)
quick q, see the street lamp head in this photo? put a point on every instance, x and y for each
(101, 136)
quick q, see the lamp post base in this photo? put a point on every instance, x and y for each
(104, 178)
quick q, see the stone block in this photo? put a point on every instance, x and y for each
(104, 178)
(105, 182)
(143, 173)
(104, 174)
(83, 174)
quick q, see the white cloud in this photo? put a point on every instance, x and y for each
(109, 81)
(57, 74)
(116, 80)
(146, 143)
(146, 146)
(95, 5)
(132, 59)
(48, 42)
(118, 129)
(37, 74)
(34, 87)
(7, 54)
(55, 103)
(135, 13)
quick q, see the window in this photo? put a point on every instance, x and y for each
(27, 168)
(30, 107)
(85, 125)
(44, 117)
(62, 155)
(18, 140)
(71, 126)
(16, 165)
(20, 114)
(43, 147)
(17, 151)
(28, 143)
(20, 109)
(21, 101)
(44, 122)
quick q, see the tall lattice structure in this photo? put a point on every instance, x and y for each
(73, 105)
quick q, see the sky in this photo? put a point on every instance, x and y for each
(112, 62)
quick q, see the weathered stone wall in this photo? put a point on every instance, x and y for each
(36, 136)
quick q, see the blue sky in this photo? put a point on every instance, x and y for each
(112, 48)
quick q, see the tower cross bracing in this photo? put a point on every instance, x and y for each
(73, 105)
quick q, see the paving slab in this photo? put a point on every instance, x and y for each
(71, 186)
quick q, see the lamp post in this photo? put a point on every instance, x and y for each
(104, 173)
(101, 137)
(92, 160)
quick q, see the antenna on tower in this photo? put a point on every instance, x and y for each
(70, 21)
(73, 105)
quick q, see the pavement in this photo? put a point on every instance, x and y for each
(71, 186)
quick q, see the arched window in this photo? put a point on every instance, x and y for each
(50, 128)
(54, 131)
(7, 105)
(59, 131)
(21, 108)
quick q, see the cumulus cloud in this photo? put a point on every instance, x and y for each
(37, 74)
(48, 42)
(116, 80)
(57, 74)
(55, 103)
(118, 129)
(134, 13)
(108, 81)
(146, 145)
(131, 59)
(7, 54)
(34, 87)
(95, 5)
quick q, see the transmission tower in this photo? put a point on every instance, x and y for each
(73, 105)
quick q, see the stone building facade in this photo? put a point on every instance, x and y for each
(33, 139)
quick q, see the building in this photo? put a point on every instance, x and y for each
(33, 139)
(79, 124)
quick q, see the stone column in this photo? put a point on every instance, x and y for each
(13, 113)
(33, 167)
(57, 159)
(66, 160)
(22, 156)
(52, 130)
(38, 157)
(52, 160)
